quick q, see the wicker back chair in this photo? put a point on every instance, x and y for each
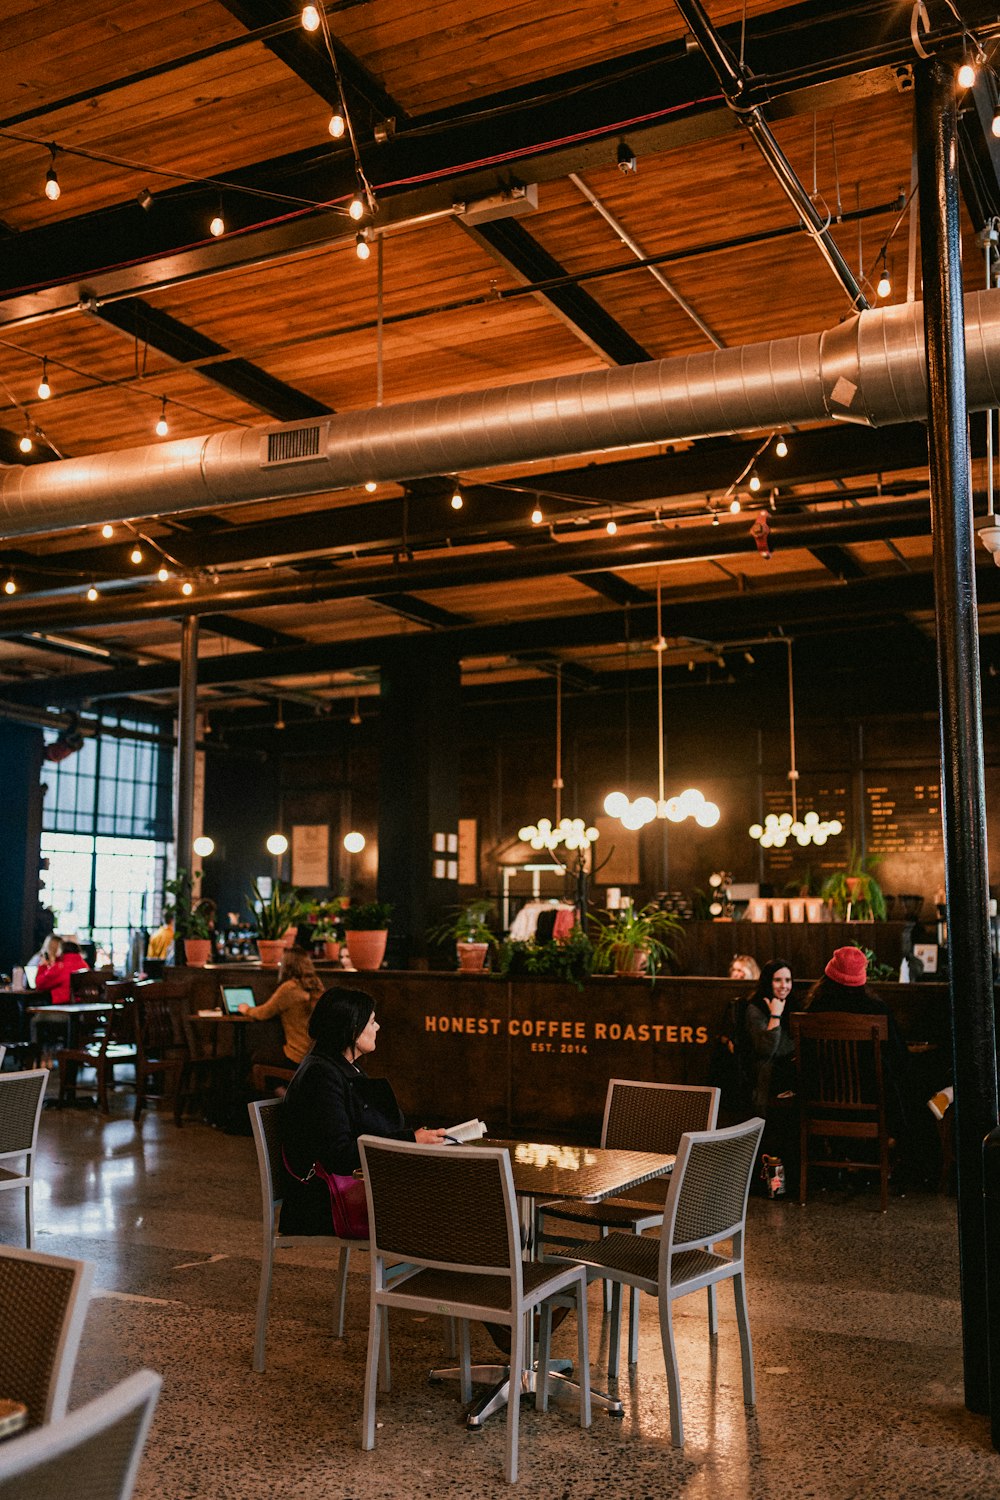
(450, 1215)
(93, 1454)
(43, 1302)
(265, 1123)
(706, 1203)
(842, 1089)
(21, 1098)
(637, 1117)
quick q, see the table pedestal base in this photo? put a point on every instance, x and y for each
(496, 1399)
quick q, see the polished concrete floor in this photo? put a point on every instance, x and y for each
(854, 1315)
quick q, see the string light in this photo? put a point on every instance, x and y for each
(456, 500)
(536, 516)
(356, 207)
(107, 530)
(44, 389)
(10, 587)
(884, 284)
(755, 482)
(218, 225)
(91, 594)
(136, 555)
(967, 74)
(25, 444)
(612, 527)
(371, 486)
(310, 18)
(995, 123)
(734, 506)
(187, 588)
(361, 246)
(162, 574)
(337, 124)
(781, 448)
(52, 188)
(162, 427)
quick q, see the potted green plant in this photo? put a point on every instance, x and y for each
(468, 927)
(571, 960)
(327, 927)
(366, 930)
(190, 921)
(855, 888)
(274, 915)
(632, 941)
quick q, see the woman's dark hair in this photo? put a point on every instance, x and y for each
(70, 947)
(764, 983)
(339, 1017)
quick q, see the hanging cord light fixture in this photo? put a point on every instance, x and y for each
(777, 828)
(691, 803)
(571, 832)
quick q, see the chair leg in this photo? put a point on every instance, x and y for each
(464, 1362)
(385, 1372)
(884, 1171)
(713, 1313)
(607, 1284)
(514, 1401)
(615, 1334)
(371, 1375)
(804, 1163)
(263, 1297)
(29, 1228)
(181, 1095)
(673, 1379)
(450, 1338)
(102, 1088)
(746, 1344)
(633, 1325)
(544, 1355)
(583, 1352)
(341, 1287)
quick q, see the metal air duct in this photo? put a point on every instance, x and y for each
(870, 369)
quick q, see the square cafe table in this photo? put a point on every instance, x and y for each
(541, 1171)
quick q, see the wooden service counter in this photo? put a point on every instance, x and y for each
(538, 1055)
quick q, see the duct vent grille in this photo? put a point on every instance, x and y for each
(292, 444)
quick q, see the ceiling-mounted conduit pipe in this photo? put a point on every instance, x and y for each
(736, 80)
(869, 369)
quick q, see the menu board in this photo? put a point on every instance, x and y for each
(903, 813)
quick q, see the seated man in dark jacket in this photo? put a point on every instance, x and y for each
(330, 1103)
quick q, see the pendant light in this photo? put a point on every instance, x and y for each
(573, 833)
(776, 829)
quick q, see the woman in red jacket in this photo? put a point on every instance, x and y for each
(53, 977)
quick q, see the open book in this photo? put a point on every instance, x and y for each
(469, 1130)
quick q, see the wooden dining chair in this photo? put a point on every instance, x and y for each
(841, 1068)
(111, 1045)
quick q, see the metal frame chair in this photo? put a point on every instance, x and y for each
(837, 1081)
(638, 1116)
(21, 1098)
(264, 1123)
(706, 1203)
(449, 1215)
(43, 1304)
(94, 1454)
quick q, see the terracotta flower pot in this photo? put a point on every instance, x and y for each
(272, 951)
(331, 950)
(472, 956)
(631, 960)
(367, 947)
(197, 952)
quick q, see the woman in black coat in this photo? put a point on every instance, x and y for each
(330, 1103)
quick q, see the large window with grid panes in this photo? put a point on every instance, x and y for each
(106, 826)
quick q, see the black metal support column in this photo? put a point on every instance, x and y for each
(963, 802)
(187, 709)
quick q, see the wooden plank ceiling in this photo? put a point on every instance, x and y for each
(223, 108)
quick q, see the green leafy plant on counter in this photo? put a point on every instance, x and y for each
(370, 916)
(189, 919)
(856, 887)
(879, 972)
(468, 923)
(634, 941)
(572, 960)
(274, 914)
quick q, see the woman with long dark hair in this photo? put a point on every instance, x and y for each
(771, 1051)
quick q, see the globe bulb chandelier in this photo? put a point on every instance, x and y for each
(548, 833)
(777, 828)
(691, 803)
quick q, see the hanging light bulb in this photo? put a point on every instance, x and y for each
(310, 18)
(162, 574)
(44, 389)
(92, 595)
(107, 530)
(536, 516)
(781, 448)
(755, 482)
(218, 225)
(25, 444)
(161, 425)
(612, 527)
(967, 74)
(356, 207)
(187, 588)
(995, 123)
(715, 519)
(135, 555)
(10, 587)
(354, 842)
(371, 486)
(456, 500)
(361, 246)
(734, 506)
(884, 284)
(52, 188)
(337, 123)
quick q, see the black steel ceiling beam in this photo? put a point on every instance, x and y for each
(249, 632)
(721, 617)
(106, 254)
(838, 562)
(141, 321)
(610, 586)
(421, 611)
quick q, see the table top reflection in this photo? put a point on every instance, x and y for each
(588, 1173)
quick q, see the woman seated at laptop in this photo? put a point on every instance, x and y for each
(330, 1103)
(299, 988)
(53, 976)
